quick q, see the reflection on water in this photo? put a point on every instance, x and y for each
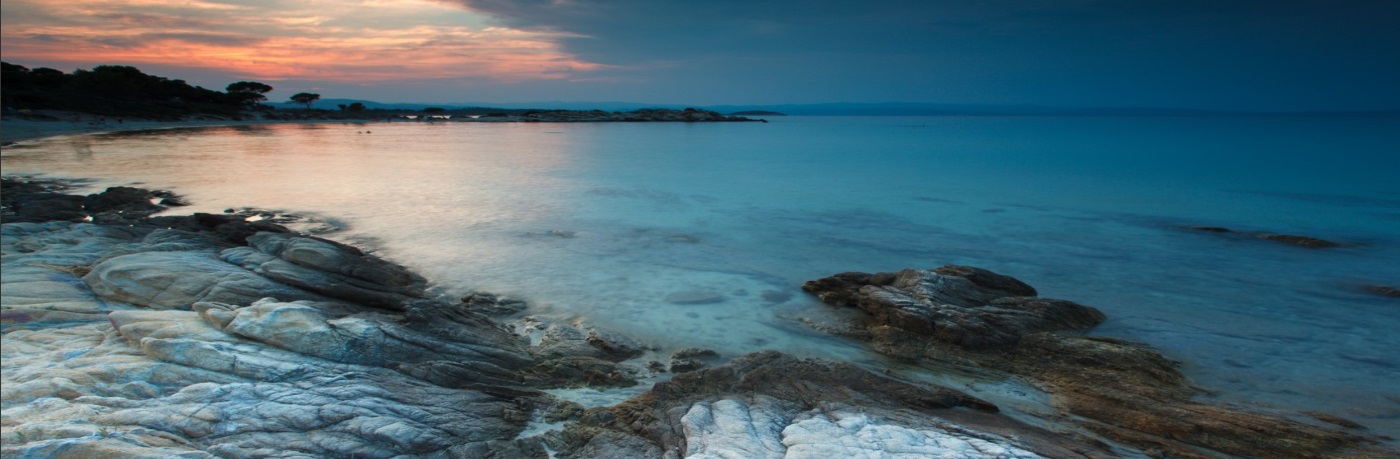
(629, 224)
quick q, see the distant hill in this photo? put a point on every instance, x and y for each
(828, 109)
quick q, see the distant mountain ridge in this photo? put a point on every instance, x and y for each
(834, 109)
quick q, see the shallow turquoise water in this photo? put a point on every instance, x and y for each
(605, 221)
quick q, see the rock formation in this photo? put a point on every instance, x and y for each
(1120, 391)
(212, 336)
(143, 340)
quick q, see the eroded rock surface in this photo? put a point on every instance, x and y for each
(772, 405)
(1122, 391)
(166, 337)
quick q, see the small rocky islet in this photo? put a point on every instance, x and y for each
(127, 335)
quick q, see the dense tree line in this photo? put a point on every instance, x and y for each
(116, 90)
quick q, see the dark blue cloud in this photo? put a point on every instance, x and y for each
(1286, 54)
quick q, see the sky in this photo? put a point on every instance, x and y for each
(1260, 55)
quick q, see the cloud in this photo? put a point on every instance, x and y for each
(1109, 52)
(347, 41)
(1196, 53)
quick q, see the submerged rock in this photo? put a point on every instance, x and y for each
(1300, 241)
(1382, 290)
(690, 297)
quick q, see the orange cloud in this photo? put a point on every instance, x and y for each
(339, 41)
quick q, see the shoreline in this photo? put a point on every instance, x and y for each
(300, 312)
(15, 130)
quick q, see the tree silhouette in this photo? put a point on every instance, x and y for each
(118, 90)
(248, 92)
(356, 107)
(305, 98)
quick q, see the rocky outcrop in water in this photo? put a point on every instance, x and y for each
(594, 116)
(1291, 239)
(1120, 391)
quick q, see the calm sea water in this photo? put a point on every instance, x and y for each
(612, 222)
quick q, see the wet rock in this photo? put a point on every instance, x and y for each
(373, 338)
(643, 115)
(691, 297)
(42, 207)
(581, 371)
(1334, 420)
(559, 340)
(691, 359)
(173, 201)
(1121, 391)
(493, 305)
(233, 229)
(1210, 229)
(178, 342)
(569, 355)
(26, 199)
(176, 280)
(122, 199)
(1382, 290)
(769, 404)
(39, 201)
(328, 268)
(1301, 241)
(969, 307)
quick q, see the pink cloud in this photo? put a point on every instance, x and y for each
(343, 41)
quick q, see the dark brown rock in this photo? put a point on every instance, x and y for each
(691, 359)
(964, 306)
(1210, 229)
(1123, 391)
(1300, 241)
(1334, 420)
(987, 279)
(123, 198)
(1382, 290)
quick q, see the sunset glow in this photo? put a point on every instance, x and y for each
(334, 41)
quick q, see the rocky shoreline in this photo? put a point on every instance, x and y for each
(221, 335)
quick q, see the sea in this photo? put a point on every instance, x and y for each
(701, 234)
